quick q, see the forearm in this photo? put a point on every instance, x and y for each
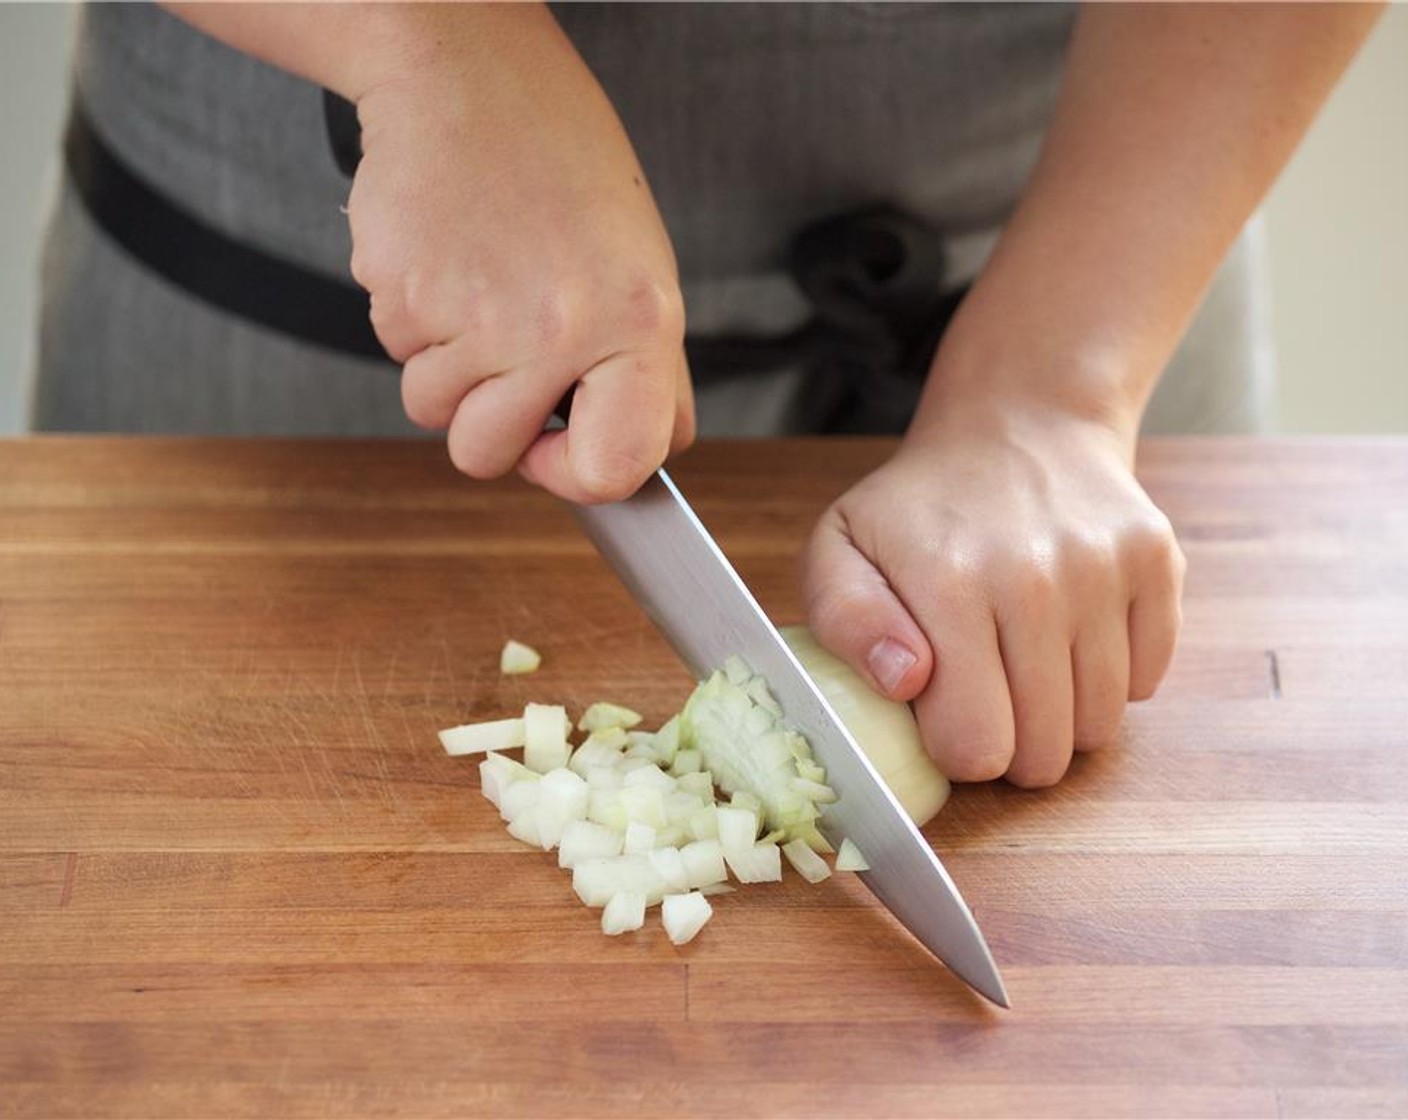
(1172, 123)
(352, 48)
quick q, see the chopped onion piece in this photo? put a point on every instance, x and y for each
(704, 863)
(815, 792)
(684, 915)
(762, 863)
(742, 799)
(517, 797)
(644, 804)
(667, 740)
(602, 715)
(704, 825)
(526, 826)
(686, 762)
(601, 748)
(737, 670)
(564, 798)
(651, 777)
(497, 772)
(639, 838)
(760, 694)
(717, 888)
(669, 865)
(751, 755)
(596, 880)
(604, 807)
(810, 770)
(850, 858)
(587, 840)
(478, 738)
(806, 862)
(671, 836)
(545, 737)
(518, 658)
(624, 912)
(738, 829)
(699, 783)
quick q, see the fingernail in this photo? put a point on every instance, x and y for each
(889, 662)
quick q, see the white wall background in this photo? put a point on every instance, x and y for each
(33, 93)
(1337, 225)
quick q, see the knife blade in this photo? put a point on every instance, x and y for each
(680, 576)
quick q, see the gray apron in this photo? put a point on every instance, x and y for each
(752, 121)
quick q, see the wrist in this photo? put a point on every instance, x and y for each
(371, 47)
(1001, 379)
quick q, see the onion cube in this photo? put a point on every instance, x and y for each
(587, 840)
(684, 915)
(760, 864)
(477, 738)
(518, 658)
(624, 912)
(807, 863)
(703, 863)
(738, 829)
(545, 737)
(596, 880)
(602, 715)
(669, 865)
(850, 858)
(640, 838)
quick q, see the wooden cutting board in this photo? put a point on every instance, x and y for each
(238, 876)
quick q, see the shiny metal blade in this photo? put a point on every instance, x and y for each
(668, 560)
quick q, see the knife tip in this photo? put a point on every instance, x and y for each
(987, 982)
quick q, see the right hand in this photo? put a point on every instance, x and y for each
(512, 249)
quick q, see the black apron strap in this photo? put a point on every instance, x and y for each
(264, 289)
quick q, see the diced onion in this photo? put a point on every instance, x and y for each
(684, 915)
(479, 738)
(602, 715)
(635, 815)
(545, 737)
(624, 911)
(806, 862)
(517, 658)
(850, 858)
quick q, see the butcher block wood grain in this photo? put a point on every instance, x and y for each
(239, 877)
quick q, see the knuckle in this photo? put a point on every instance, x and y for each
(1099, 729)
(973, 756)
(368, 267)
(655, 309)
(472, 457)
(1098, 723)
(557, 320)
(686, 431)
(1143, 689)
(1152, 546)
(613, 475)
(1037, 777)
(1033, 588)
(420, 408)
(836, 607)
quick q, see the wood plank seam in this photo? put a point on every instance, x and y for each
(1273, 672)
(66, 891)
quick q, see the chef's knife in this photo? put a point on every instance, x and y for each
(670, 563)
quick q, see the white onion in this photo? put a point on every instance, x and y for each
(684, 916)
(884, 729)
(517, 658)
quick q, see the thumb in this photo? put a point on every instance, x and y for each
(854, 612)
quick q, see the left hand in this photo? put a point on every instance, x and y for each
(1007, 573)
